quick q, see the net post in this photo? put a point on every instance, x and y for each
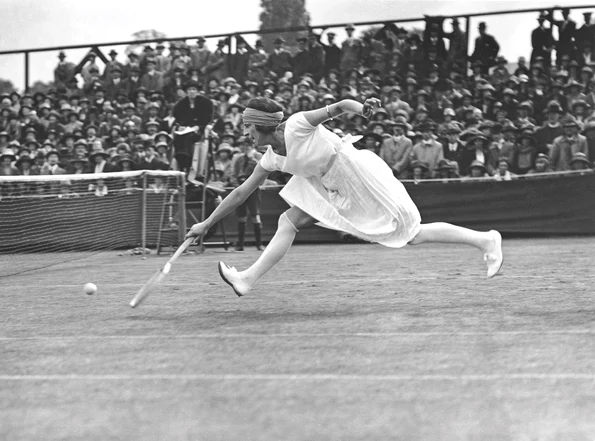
(182, 207)
(144, 214)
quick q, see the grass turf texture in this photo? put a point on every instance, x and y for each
(338, 342)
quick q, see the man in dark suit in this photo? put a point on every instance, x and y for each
(114, 84)
(301, 60)
(585, 34)
(280, 60)
(192, 111)
(451, 146)
(64, 71)
(332, 53)
(152, 80)
(317, 56)
(486, 49)
(566, 33)
(542, 42)
(132, 83)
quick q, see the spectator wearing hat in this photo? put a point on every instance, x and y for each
(395, 103)
(223, 162)
(413, 55)
(332, 58)
(217, 66)
(162, 62)
(280, 60)
(173, 88)
(152, 79)
(240, 61)
(542, 41)
(586, 57)
(524, 115)
(420, 170)
(78, 166)
(500, 74)
(317, 56)
(566, 146)
(396, 150)
(524, 154)
(192, 111)
(351, 51)
(566, 35)
(90, 71)
(301, 60)
(257, 63)
(63, 72)
(452, 147)
(132, 82)
(499, 147)
(99, 162)
(574, 92)
(52, 165)
(542, 165)
(448, 169)
(428, 149)
(7, 157)
(114, 84)
(551, 129)
(456, 58)
(112, 64)
(580, 161)
(586, 33)
(242, 167)
(477, 169)
(475, 150)
(580, 110)
(200, 56)
(589, 132)
(502, 172)
(486, 49)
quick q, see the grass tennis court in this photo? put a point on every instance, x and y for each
(338, 342)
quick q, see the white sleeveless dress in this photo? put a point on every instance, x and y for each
(341, 187)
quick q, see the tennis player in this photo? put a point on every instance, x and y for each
(335, 186)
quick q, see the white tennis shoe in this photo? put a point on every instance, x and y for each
(494, 257)
(231, 276)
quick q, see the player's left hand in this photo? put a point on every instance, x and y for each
(369, 106)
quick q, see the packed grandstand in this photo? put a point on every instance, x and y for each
(447, 111)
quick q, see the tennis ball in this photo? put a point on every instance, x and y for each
(90, 288)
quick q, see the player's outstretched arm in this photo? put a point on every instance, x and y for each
(231, 202)
(318, 116)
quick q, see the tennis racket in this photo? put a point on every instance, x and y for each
(159, 275)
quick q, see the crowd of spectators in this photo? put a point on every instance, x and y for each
(445, 114)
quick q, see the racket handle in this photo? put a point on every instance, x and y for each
(178, 252)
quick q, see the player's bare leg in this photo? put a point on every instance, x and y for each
(289, 224)
(489, 242)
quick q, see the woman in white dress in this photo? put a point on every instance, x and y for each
(335, 186)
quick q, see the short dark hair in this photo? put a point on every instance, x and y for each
(265, 105)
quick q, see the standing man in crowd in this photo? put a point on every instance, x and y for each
(542, 42)
(486, 49)
(585, 35)
(194, 111)
(242, 167)
(351, 51)
(63, 72)
(566, 33)
(332, 52)
(280, 60)
(317, 56)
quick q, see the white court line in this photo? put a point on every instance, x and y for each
(304, 335)
(299, 282)
(299, 377)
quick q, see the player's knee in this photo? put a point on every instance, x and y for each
(286, 223)
(256, 220)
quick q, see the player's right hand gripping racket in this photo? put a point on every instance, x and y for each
(159, 275)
